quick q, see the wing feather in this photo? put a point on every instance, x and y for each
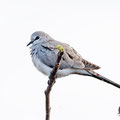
(70, 59)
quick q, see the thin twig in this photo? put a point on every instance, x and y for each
(51, 82)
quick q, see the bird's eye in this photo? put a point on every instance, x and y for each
(37, 38)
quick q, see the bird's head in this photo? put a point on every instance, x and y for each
(39, 37)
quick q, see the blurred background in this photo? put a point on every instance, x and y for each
(91, 27)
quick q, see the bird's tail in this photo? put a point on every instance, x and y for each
(102, 78)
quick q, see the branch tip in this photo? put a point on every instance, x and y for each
(60, 48)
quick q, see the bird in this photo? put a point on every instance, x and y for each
(44, 56)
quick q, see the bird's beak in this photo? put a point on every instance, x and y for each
(30, 42)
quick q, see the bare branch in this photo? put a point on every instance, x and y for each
(51, 82)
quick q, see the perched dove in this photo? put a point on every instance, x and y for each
(44, 56)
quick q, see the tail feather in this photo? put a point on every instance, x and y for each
(89, 65)
(102, 78)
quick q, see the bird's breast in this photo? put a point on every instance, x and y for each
(41, 66)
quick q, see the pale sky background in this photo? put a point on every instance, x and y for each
(92, 27)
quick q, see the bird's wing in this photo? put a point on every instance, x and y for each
(79, 62)
(48, 55)
(70, 59)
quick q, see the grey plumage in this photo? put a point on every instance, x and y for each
(44, 56)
